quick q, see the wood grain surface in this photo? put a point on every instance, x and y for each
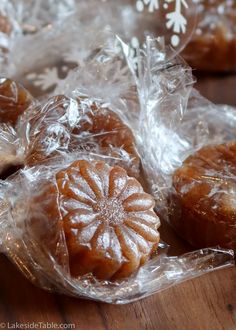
(208, 302)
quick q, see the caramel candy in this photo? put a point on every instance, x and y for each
(109, 223)
(5, 25)
(14, 101)
(102, 129)
(203, 206)
(213, 46)
(51, 127)
(82, 125)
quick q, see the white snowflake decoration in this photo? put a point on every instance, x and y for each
(175, 20)
(152, 5)
(45, 80)
(49, 78)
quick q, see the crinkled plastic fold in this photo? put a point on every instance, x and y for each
(60, 35)
(28, 252)
(169, 120)
(198, 197)
(184, 120)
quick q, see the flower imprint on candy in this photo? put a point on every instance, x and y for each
(109, 222)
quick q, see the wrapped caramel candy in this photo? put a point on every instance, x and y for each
(14, 101)
(66, 124)
(62, 35)
(75, 219)
(5, 25)
(108, 221)
(60, 126)
(213, 45)
(203, 204)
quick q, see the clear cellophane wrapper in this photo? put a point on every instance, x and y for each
(213, 44)
(57, 35)
(20, 18)
(154, 98)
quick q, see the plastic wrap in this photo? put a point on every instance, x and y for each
(60, 125)
(32, 16)
(20, 17)
(203, 200)
(60, 35)
(192, 168)
(149, 102)
(54, 51)
(213, 45)
(30, 254)
(135, 19)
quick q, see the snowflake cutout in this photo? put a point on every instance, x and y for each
(175, 20)
(50, 77)
(152, 5)
(45, 80)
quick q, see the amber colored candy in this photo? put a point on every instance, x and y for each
(213, 45)
(14, 100)
(203, 206)
(44, 226)
(216, 53)
(82, 125)
(5, 25)
(109, 223)
(105, 129)
(50, 131)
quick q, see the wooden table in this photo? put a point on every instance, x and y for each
(207, 303)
